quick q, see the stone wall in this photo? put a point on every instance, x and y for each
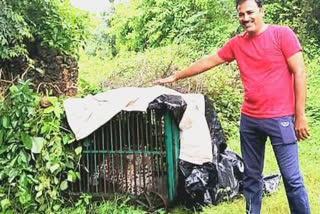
(49, 71)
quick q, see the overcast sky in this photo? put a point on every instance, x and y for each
(93, 5)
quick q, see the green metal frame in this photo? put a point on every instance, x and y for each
(171, 140)
(172, 150)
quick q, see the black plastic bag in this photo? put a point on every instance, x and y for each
(271, 183)
(218, 140)
(200, 184)
(175, 104)
(210, 183)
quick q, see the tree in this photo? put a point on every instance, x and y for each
(38, 39)
(154, 23)
(302, 16)
(53, 23)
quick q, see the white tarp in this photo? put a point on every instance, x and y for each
(85, 115)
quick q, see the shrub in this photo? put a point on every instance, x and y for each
(36, 159)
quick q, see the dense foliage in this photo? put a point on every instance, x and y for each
(302, 16)
(36, 160)
(150, 23)
(205, 25)
(53, 23)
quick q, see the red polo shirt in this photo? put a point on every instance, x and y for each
(266, 79)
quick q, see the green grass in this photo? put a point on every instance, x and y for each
(118, 206)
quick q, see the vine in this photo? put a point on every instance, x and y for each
(37, 161)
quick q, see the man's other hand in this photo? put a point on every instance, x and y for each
(301, 128)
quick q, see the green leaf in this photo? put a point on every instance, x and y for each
(56, 207)
(4, 42)
(53, 100)
(43, 207)
(26, 140)
(13, 162)
(38, 194)
(1, 137)
(24, 156)
(48, 110)
(37, 144)
(45, 128)
(6, 122)
(64, 185)
(58, 111)
(72, 176)
(32, 179)
(65, 139)
(24, 197)
(55, 180)
(3, 149)
(5, 203)
(70, 164)
(12, 175)
(78, 150)
(54, 167)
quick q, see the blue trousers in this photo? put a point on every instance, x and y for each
(253, 136)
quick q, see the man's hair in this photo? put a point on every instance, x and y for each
(259, 3)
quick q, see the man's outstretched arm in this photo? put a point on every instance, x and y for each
(201, 65)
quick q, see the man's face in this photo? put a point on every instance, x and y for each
(250, 16)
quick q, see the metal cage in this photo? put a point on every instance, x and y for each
(135, 153)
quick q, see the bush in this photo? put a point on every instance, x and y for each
(52, 23)
(223, 86)
(135, 69)
(36, 159)
(313, 92)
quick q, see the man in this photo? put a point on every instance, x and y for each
(273, 76)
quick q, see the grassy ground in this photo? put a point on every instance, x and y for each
(309, 151)
(276, 203)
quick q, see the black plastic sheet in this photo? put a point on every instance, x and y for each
(210, 183)
(217, 136)
(230, 171)
(271, 183)
(199, 184)
(175, 104)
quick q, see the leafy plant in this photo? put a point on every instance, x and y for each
(52, 23)
(36, 160)
(302, 16)
(223, 86)
(148, 24)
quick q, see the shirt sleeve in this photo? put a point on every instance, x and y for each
(289, 42)
(225, 52)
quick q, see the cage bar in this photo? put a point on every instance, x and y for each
(135, 153)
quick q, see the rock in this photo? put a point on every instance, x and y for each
(44, 102)
(61, 71)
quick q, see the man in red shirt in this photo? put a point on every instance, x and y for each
(272, 71)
